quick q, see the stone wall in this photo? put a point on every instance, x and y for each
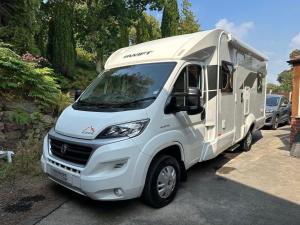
(11, 134)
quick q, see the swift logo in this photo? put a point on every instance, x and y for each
(89, 130)
(137, 54)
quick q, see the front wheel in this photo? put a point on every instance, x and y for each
(162, 181)
(247, 142)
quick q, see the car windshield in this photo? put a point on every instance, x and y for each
(272, 101)
(130, 87)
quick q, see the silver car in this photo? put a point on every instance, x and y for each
(278, 111)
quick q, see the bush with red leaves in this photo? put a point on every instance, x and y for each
(41, 61)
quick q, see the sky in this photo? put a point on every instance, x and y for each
(270, 26)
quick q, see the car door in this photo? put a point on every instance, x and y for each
(283, 110)
(194, 129)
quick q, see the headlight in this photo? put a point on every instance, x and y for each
(130, 129)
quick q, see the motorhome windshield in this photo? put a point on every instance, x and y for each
(125, 88)
(272, 101)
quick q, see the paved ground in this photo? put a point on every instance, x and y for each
(258, 187)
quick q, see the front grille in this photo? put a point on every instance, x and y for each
(70, 152)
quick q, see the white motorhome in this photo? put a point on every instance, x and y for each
(158, 108)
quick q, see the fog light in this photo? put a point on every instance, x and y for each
(119, 165)
(118, 192)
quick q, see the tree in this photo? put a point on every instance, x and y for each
(41, 36)
(170, 19)
(295, 54)
(285, 80)
(154, 27)
(6, 9)
(137, 7)
(61, 44)
(188, 23)
(102, 26)
(19, 24)
(142, 30)
(273, 88)
(146, 29)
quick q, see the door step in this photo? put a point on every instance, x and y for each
(231, 149)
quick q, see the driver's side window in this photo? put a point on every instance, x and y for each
(190, 76)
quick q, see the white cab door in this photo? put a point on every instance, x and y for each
(191, 75)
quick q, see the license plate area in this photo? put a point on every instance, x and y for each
(60, 175)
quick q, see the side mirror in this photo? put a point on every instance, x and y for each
(283, 105)
(171, 106)
(192, 106)
(77, 94)
(193, 101)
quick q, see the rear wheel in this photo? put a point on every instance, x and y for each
(247, 141)
(162, 181)
(275, 123)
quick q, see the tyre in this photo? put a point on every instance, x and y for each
(247, 142)
(275, 123)
(162, 181)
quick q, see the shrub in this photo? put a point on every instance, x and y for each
(5, 45)
(41, 61)
(20, 117)
(36, 117)
(83, 78)
(85, 59)
(26, 79)
(62, 101)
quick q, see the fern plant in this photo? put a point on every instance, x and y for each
(62, 101)
(20, 117)
(26, 79)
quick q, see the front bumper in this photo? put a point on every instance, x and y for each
(115, 171)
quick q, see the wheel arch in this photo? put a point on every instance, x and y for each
(174, 149)
(250, 123)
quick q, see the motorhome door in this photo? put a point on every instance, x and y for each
(239, 113)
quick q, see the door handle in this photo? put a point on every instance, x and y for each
(242, 97)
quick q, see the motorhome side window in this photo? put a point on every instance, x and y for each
(226, 76)
(190, 76)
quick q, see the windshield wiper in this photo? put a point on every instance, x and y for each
(89, 104)
(136, 101)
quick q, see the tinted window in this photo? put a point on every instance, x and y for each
(226, 77)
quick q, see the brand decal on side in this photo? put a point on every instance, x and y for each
(137, 54)
(89, 130)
